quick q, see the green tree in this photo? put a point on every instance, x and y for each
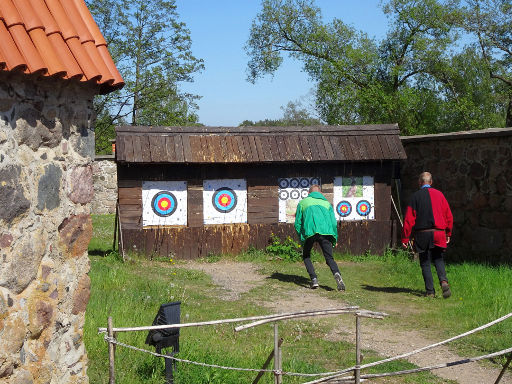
(152, 50)
(490, 21)
(294, 114)
(413, 77)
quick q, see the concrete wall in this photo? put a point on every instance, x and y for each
(105, 185)
(46, 147)
(474, 171)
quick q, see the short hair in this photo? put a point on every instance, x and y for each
(425, 178)
(315, 188)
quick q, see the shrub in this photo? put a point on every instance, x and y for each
(287, 249)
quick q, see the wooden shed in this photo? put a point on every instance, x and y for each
(192, 191)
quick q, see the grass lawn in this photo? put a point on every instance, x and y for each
(132, 292)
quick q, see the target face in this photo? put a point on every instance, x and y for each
(291, 191)
(295, 194)
(283, 195)
(283, 183)
(294, 183)
(164, 204)
(354, 197)
(344, 208)
(224, 200)
(304, 183)
(363, 208)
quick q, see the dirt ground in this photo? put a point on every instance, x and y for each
(235, 278)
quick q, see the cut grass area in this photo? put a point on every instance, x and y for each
(132, 292)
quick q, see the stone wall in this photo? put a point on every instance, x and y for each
(105, 185)
(46, 147)
(474, 171)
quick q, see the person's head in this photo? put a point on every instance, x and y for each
(315, 188)
(425, 178)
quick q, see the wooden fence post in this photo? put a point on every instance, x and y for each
(357, 370)
(111, 353)
(504, 369)
(278, 379)
(267, 362)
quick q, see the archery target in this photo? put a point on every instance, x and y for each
(225, 201)
(291, 191)
(363, 208)
(283, 183)
(344, 208)
(283, 194)
(354, 197)
(164, 203)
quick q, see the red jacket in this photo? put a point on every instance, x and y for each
(428, 209)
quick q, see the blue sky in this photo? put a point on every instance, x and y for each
(219, 31)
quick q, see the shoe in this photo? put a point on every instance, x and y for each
(314, 283)
(339, 281)
(446, 289)
(431, 295)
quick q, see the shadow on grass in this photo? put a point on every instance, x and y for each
(372, 288)
(99, 252)
(298, 280)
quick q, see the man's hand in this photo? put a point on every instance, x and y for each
(448, 239)
(404, 245)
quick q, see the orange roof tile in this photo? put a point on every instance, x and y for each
(56, 38)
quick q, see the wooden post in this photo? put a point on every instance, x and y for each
(277, 363)
(267, 362)
(121, 243)
(357, 370)
(111, 353)
(115, 226)
(504, 369)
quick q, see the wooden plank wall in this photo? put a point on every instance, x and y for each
(197, 240)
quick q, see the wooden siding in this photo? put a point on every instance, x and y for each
(258, 144)
(197, 239)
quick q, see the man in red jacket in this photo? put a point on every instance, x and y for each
(430, 217)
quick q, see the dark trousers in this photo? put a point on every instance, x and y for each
(432, 255)
(326, 245)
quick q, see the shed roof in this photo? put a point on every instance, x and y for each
(258, 144)
(57, 38)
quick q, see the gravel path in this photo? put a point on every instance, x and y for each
(235, 278)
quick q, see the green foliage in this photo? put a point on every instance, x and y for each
(413, 77)
(152, 50)
(287, 249)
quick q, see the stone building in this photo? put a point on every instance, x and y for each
(53, 61)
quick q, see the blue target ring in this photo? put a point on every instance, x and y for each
(344, 208)
(224, 200)
(164, 203)
(363, 208)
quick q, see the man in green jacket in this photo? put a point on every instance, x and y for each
(315, 222)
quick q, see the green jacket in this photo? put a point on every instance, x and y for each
(315, 215)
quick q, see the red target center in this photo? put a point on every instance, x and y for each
(364, 208)
(344, 208)
(224, 200)
(164, 203)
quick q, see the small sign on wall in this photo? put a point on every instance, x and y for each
(164, 203)
(354, 198)
(225, 201)
(291, 191)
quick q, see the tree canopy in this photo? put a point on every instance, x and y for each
(416, 76)
(152, 50)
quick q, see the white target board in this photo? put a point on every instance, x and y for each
(225, 201)
(164, 203)
(354, 198)
(291, 191)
